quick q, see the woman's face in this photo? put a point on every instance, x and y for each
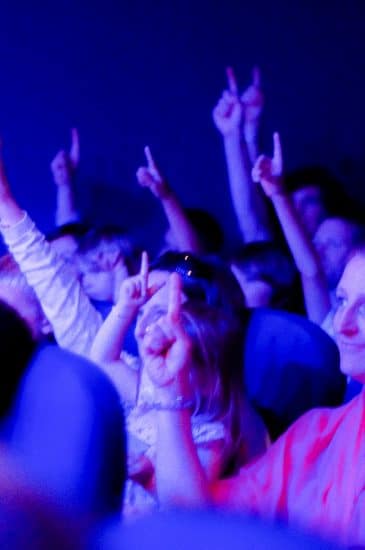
(349, 319)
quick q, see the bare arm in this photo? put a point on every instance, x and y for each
(248, 199)
(63, 168)
(180, 475)
(184, 234)
(133, 293)
(269, 173)
(252, 100)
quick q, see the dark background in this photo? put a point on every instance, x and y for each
(133, 73)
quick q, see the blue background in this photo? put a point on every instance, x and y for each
(134, 73)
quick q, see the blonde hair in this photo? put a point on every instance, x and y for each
(217, 369)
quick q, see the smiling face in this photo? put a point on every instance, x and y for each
(349, 319)
(146, 329)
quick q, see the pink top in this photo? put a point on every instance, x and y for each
(313, 476)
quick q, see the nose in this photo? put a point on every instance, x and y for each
(345, 322)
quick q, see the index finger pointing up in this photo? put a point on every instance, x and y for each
(143, 272)
(150, 160)
(232, 81)
(175, 290)
(278, 155)
(75, 147)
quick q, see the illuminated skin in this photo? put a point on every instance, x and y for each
(230, 115)
(182, 233)
(349, 319)
(63, 168)
(152, 311)
(268, 172)
(101, 281)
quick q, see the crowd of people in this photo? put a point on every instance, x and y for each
(194, 379)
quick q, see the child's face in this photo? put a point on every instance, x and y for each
(152, 310)
(97, 283)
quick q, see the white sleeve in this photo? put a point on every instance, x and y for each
(74, 319)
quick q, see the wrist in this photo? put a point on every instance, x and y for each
(279, 196)
(232, 135)
(179, 386)
(165, 193)
(124, 312)
(250, 131)
(177, 403)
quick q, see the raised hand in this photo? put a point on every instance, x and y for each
(253, 99)
(151, 177)
(10, 211)
(74, 154)
(166, 347)
(64, 165)
(134, 290)
(4, 184)
(227, 114)
(268, 171)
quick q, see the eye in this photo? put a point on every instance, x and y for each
(341, 301)
(361, 310)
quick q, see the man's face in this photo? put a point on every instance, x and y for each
(309, 205)
(333, 241)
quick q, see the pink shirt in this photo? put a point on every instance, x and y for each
(313, 476)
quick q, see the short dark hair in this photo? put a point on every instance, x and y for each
(77, 230)
(270, 262)
(208, 229)
(112, 235)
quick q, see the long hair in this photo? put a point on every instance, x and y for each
(217, 369)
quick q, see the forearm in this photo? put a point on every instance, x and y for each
(315, 290)
(108, 343)
(316, 298)
(74, 320)
(184, 233)
(180, 477)
(10, 211)
(301, 247)
(66, 210)
(247, 197)
(250, 134)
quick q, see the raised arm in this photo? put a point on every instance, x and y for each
(109, 340)
(248, 200)
(184, 234)
(74, 320)
(268, 172)
(108, 344)
(180, 476)
(252, 100)
(63, 168)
